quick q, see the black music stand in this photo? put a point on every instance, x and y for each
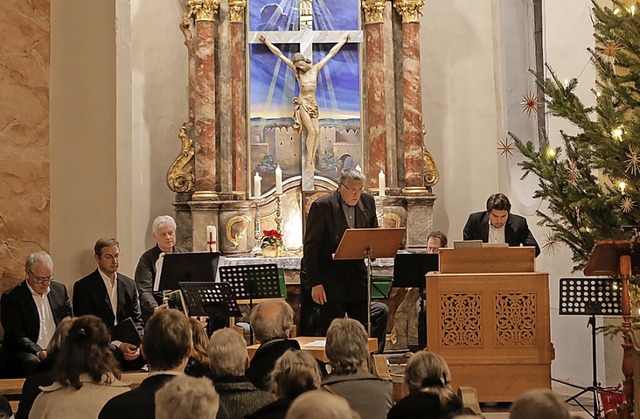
(186, 267)
(410, 270)
(369, 243)
(209, 299)
(592, 297)
(249, 282)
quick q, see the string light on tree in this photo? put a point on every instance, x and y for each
(616, 134)
(551, 153)
(622, 186)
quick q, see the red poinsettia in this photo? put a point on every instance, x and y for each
(271, 238)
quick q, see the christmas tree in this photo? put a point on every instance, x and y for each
(591, 182)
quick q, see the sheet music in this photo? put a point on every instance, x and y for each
(156, 281)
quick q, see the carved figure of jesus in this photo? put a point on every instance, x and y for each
(306, 110)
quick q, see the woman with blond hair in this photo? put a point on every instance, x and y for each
(295, 373)
(430, 395)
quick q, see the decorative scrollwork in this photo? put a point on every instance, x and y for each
(461, 321)
(430, 172)
(236, 10)
(180, 176)
(394, 220)
(236, 228)
(515, 318)
(410, 10)
(373, 11)
(203, 9)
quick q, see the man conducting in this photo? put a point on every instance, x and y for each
(112, 297)
(339, 287)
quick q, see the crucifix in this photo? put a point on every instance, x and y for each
(306, 111)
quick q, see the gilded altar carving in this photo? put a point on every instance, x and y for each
(391, 220)
(430, 172)
(236, 228)
(203, 9)
(410, 10)
(461, 321)
(373, 11)
(236, 10)
(180, 177)
(515, 318)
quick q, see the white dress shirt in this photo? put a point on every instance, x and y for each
(47, 323)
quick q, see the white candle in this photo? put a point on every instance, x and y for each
(278, 180)
(257, 185)
(382, 184)
(212, 239)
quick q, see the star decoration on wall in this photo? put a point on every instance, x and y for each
(529, 103)
(633, 162)
(627, 204)
(573, 172)
(505, 146)
(551, 245)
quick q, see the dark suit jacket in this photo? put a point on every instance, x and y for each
(145, 275)
(139, 403)
(264, 360)
(516, 230)
(343, 280)
(20, 320)
(90, 297)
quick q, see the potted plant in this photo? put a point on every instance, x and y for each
(270, 243)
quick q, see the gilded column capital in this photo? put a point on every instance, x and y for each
(410, 10)
(373, 11)
(203, 9)
(236, 10)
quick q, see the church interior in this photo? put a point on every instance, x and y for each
(94, 95)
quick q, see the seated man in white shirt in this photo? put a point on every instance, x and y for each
(113, 297)
(30, 314)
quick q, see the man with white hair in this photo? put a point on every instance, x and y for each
(164, 233)
(30, 314)
(228, 359)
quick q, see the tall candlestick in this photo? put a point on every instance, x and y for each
(382, 184)
(212, 239)
(278, 180)
(257, 185)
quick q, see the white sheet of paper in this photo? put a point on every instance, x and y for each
(315, 344)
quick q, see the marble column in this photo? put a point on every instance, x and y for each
(376, 90)
(238, 130)
(204, 106)
(410, 10)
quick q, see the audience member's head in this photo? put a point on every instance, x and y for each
(271, 319)
(318, 404)
(426, 369)
(86, 352)
(347, 346)
(164, 232)
(59, 336)
(436, 240)
(39, 271)
(227, 353)
(187, 397)
(167, 343)
(536, 404)
(5, 408)
(295, 372)
(200, 341)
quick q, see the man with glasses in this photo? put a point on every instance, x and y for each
(338, 287)
(30, 314)
(113, 297)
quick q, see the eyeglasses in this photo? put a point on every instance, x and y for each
(353, 190)
(41, 279)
